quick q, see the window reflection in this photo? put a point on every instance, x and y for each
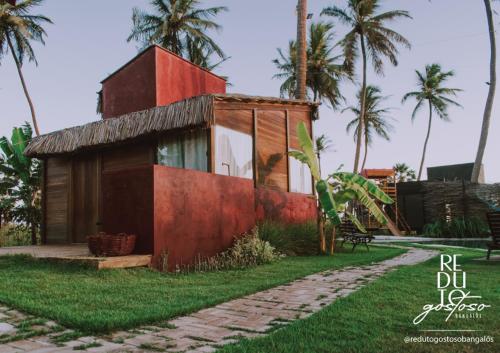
(300, 177)
(233, 153)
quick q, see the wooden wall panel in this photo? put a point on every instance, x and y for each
(239, 120)
(295, 118)
(85, 196)
(125, 157)
(56, 200)
(272, 149)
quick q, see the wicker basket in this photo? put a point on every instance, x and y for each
(104, 244)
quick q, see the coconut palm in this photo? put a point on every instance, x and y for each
(375, 121)
(323, 68)
(370, 35)
(18, 27)
(404, 173)
(430, 89)
(301, 68)
(175, 24)
(491, 95)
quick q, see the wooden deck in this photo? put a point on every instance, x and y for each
(78, 253)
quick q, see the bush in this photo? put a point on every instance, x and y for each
(291, 239)
(248, 251)
(459, 227)
(14, 235)
(295, 239)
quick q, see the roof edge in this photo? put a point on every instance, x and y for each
(156, 46)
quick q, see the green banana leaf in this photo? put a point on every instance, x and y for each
(368, 202)
(300, 156)
(327, 202)
(307, 146)
(19, 143)
(356, 222)
(366, 184)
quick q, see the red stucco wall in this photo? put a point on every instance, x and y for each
(132, 88)
(178, 79)
(127, 205)
(198, 213)
(189, 213)
(284, 206)
(154, 78)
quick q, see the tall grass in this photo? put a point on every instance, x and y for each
(293, 239)
(459, 227)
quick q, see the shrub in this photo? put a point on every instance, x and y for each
(248, 251)
(291, 239)
(299, 239)
(459, 227)
(14, 235)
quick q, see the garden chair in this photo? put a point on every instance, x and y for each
(350, 234)
(494, 222)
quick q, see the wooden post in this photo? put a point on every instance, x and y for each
(211, 152)
(69, 236)
(287, 123)
(255, 152)
(43, 221)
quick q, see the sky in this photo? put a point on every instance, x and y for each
(88, 41)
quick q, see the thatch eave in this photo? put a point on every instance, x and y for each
(196, 112)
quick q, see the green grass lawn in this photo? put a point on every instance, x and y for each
(378, 317)
(114, 299)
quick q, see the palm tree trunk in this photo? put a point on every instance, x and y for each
(491, 96)
(362, 108)
(301, 49)
(18, 65)
(425, 144)
(366, 153)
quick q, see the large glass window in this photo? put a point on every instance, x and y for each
(300, 177)
(188, 151)
(233, 153)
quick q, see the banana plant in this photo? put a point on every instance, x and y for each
(339, 188)
(20, 180)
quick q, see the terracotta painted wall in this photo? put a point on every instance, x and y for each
(155, 78)
(178, 79)
(127, 205)
(284, 206)
(131, 89)
(199, 213)
(190, 213)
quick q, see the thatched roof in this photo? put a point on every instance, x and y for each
(189, 113)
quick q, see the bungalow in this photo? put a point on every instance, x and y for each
(176, 161)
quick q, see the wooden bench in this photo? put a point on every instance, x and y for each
(350, 234)
(494, 222)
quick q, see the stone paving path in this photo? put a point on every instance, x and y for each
(204, 331)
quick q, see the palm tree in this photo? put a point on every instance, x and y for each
(369, 33)
(176, 25)
(430, 89)
(302, 50)
(491, 96)
(375, 119)
(404, 173)
(17, 28)
(323, 70)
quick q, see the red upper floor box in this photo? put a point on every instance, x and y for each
(155, 77)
